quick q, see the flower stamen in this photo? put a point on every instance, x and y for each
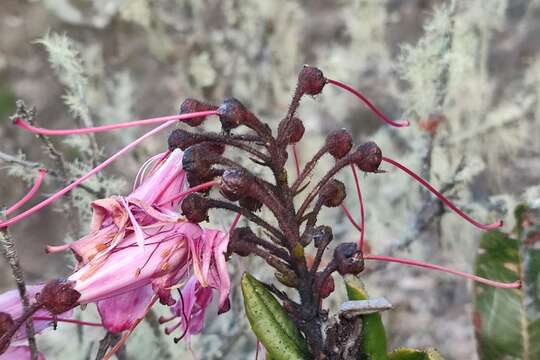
(157, 120)
(369, 104)
(497, 284)
(41, 174)
(441, 197)
(91, 173)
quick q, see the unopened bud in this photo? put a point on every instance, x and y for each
(195, 209)
(192, 105)
(311, 80)
(235, 184)
(6, 324)
(333, 193)
(349, 259)
(339, 143)
(370, 157)
(59, 296)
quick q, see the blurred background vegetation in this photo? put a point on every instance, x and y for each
(467, 74)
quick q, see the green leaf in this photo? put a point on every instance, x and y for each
(507, 321)
(373, 334)
(412, 354)
(271, 323)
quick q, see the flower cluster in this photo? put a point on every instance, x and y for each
(143, 246)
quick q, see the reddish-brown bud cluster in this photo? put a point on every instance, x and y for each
(370, 157)
(339, 143)
(192, 105)
(349, 259)
(333, 193)
(311, 80)
(195, 208)
(6, 324)
(58, 296)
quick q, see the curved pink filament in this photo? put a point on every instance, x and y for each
(498, 284)
(71, 321)
(369, 104)
(41, 174)
(350, 217)
(202, 186)
(361, 204)
(158, 120)
(92, 172)
(441, 197)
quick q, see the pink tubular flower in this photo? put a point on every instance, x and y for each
(140, 248)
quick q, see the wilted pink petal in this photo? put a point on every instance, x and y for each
(127, 267)
(19, 353)
(121, 312)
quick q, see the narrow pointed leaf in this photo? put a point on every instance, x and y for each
(373, 334)
(413, 354)
(263, 315)
(507, 322)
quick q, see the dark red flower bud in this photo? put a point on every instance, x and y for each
(235, 184)
(239, 242)
(195, 208)
(349, 259)
(232, 113)
(322, 235)
(199, 158)
(296, 130)
(370, 157)
(339, 143)
(311, 80)
(327, 287)
(181, 139)
(333, 193)
(58, 296)
(6, 324)
(250, 203)
(192, 105)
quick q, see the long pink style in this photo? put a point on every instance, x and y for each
(157, 120)
(41, 175)
(441, 197)
(369, 104)
(512, 285)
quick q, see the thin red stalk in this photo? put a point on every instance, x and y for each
(30, 194)
(361, 204)
(512, 285)
(157, 120)
(369, 104)
(350, 217)
(441, 197)
(202, 186)
(71, 321)
(296, 160)
(234, 223)
(92, 172)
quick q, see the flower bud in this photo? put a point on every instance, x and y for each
(59, 296)
(199, 158)
(327, 287)
(333, 193)
(369, 157)
(192, 105)
(349, 259)
(322, 235)
(195, 209)
(232, 113)
(339, 143)
(296, 130)
(311, 80)
(235, 184)
(181, 139)
(239, 242)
